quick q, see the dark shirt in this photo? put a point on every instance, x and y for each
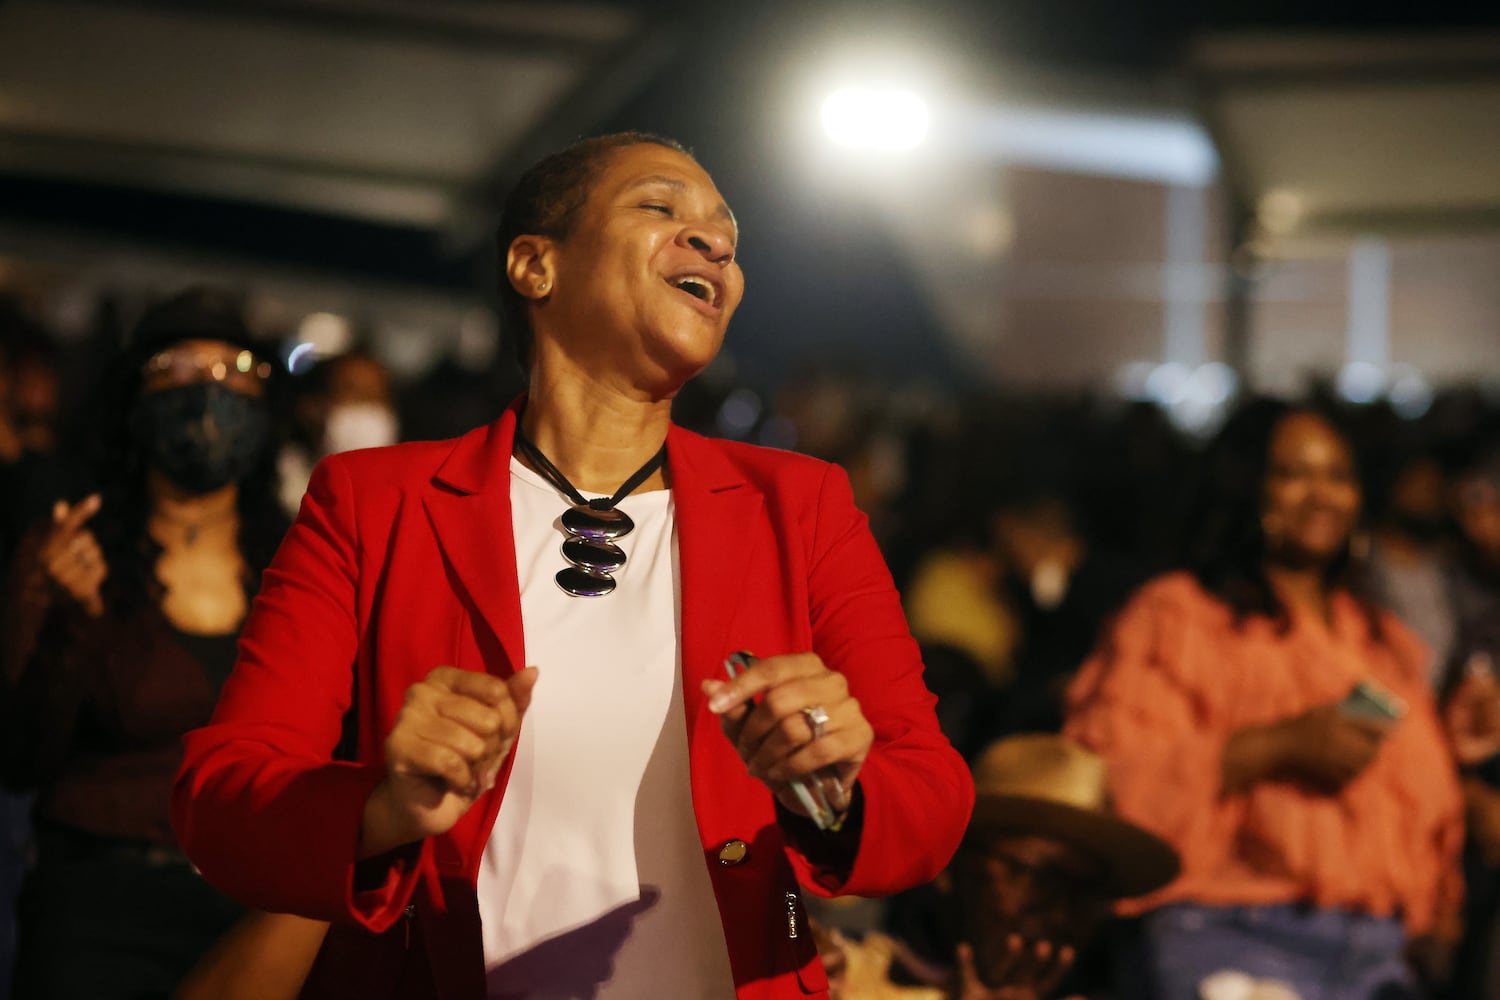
(215, 654)
(1054, 644)
(94, 710)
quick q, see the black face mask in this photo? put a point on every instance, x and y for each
(202, 436)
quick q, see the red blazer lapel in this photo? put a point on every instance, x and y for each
(469, 508)
(716, 511)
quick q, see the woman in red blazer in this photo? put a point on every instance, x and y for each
(398, 600)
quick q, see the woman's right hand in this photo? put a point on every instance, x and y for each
(451, 737)
(71, 556)
(1329, 747)
(1323, 746)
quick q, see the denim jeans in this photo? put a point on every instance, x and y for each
(1319, 954)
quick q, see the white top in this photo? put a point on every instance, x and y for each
(594, 883)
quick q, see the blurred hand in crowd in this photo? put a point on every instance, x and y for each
(1471, 714)
(1329, 747)
(71, 555)
(1322, 746)
(1030, 971)
(1026, 902)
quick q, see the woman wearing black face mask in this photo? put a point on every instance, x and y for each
(119, 627)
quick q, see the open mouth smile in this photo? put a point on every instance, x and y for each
(701, 287)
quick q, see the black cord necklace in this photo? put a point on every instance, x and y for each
(592, 525)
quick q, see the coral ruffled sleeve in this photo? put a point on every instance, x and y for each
(1145, 701)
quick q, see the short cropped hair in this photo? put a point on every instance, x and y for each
(546, 202)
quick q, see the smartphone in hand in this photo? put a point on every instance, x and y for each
(813, 794)
(1368, 700)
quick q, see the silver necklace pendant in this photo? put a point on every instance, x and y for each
(582, 582)
(591, 549)
(598, 557)
(592, 525)
(597, 525)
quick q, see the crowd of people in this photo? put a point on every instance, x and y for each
(1228, 705)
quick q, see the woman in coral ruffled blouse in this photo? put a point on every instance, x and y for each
(1317, 840)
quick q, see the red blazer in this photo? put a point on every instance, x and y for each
(402, 559)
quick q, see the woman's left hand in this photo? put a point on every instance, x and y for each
(783, 736)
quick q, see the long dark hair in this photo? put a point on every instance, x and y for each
(116, 463)
(1226, 548)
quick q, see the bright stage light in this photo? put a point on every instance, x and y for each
(888, 120)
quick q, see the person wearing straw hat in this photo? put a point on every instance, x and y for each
(1042, 861)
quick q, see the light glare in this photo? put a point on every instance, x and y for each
(891, 120)
(329, 333)
(299, 358)
(1361, 382)
(1163, 148)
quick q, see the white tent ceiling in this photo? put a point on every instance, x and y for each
(389, 111)
(1325, 138)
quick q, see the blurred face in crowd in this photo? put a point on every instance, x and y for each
(357, 411)
(1477, 510)
(1041, 546)
(29, 394)
(358, 379)
(643, 287)
(1312, 497)
(1419, 504)
(1036, 887)
(201, 414)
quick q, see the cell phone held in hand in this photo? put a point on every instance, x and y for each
(1368, 700)
(810, 793)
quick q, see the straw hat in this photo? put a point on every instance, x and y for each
(1048, 786)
